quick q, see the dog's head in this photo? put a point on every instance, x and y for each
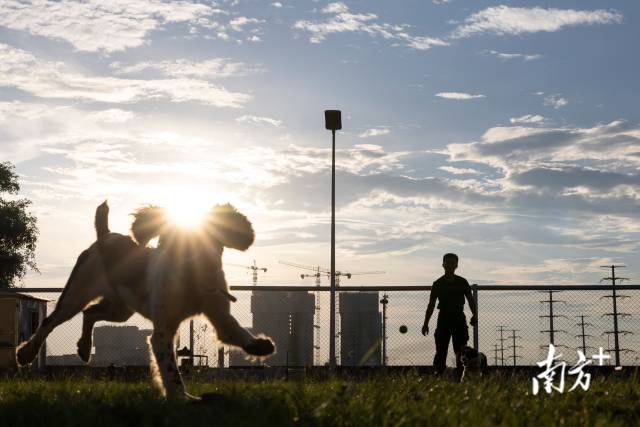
(467, 354)
(223, 226)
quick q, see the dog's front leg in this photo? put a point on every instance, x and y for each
(163, 362)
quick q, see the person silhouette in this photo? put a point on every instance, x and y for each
(450, 290)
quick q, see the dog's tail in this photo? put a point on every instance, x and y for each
(148, 222)
(230, 227)
(102, 219)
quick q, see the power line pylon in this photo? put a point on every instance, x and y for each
(514, 346)
(502, 339)
(615, 314)
(552, 316)
(583, 335)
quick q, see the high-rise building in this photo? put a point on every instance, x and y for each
(360, 329)
(287, 318)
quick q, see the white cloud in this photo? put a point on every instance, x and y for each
(208, 69)
(259, 120)
(345, 21)
(96, 25)
(507, 56)
(528, 119)
(519, 20)
(238, 24)
(374, 132)
(46, 79)
(458, 95)
(458, 171)
(556, 101)
(276, 4)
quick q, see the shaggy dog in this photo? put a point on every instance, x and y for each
(474, 363)
(180, 278)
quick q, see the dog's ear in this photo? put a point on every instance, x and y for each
(149, 222)
(230, 227)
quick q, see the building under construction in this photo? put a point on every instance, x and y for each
(287, 318)
(360, 329)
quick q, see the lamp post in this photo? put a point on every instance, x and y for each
(333, 122)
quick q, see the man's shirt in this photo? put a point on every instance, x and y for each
(450, 293)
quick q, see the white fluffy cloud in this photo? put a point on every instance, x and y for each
(556, 101)
(259, 120)
(344, 21)
(96, 25)
(208, 69)
(47, 79)
(460, 96)
(374, 132)
(528, 119)
(519, 20)
(507, 56)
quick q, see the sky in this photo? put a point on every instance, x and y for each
(507, 132)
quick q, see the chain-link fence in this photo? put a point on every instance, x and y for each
(380, 325)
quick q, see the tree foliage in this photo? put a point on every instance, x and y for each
(18, 230)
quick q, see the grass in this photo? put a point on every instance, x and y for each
(392, 400)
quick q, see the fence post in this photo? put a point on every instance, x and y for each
(474, 290)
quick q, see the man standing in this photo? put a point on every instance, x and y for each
(450, 290)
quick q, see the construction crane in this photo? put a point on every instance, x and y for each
(254, 270)
(318, 272)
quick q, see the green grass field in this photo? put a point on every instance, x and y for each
(394, 400)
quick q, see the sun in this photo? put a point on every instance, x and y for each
(187, 210)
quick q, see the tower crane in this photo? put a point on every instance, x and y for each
(254, 270)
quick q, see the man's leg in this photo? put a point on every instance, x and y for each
(460, 339)
(441, 336)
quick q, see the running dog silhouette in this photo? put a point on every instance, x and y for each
(180, 278)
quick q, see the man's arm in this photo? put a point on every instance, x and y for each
(472, 306)
(430, 307)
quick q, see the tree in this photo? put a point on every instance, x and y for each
(18, 231)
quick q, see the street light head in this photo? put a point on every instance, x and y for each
(332, 119)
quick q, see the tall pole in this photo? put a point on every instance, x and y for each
(384, 301)
(616, 343)
(333, 121)
(332, 325)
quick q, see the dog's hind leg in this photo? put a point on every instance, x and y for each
(110, 309)
(85, 284)
(229, 331)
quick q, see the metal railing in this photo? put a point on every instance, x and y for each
(515, 325)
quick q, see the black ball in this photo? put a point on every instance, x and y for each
(403, 329)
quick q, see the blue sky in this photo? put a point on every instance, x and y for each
(507, 132)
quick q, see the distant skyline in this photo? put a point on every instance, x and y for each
(507, 132)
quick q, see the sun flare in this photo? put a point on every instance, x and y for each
(188, 210)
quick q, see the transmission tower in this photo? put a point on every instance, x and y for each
(514, 346)
(502, 339)
(583, 335)
(616, 332)
(552, 316)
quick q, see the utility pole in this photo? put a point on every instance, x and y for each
(552, 316)
(333, 122)
(502, 339)
(514, 346)
(615, 314)
(384, 301)
(583, 335)
(495, 354)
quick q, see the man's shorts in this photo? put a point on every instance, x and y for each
(454, 325)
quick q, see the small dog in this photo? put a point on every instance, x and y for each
(474, 363)
(119, 275)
